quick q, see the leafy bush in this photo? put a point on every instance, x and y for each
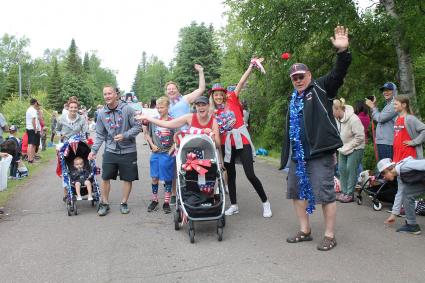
(14, 110)
(369, 161)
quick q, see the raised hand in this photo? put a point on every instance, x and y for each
(199, 68)
(340, 39)
(256, 62)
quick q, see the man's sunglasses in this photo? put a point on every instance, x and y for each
(296, 78)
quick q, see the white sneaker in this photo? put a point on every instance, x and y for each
(79, 198)
(233, 209)
(90, 198)
(267, 210)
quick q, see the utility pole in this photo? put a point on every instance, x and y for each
(20, 82)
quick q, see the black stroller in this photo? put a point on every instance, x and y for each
(72, 148)
(379, 191)
(200, 197)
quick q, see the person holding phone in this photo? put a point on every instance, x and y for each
(385, 120)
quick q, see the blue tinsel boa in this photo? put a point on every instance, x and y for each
(296, 107)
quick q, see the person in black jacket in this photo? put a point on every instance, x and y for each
(17, 156)
(311, 141)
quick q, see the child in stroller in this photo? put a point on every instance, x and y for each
(80, 176)
(74, 153)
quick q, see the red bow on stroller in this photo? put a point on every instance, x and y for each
(192, 163)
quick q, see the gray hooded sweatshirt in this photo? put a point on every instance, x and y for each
(112, 122)
(385, 119)
(69, 128)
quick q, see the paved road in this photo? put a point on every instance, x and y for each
(40, 243)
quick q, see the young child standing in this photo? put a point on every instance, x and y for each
(409, 134)
(79, 177)
(17, 157)
(44, 139)
(162, 162)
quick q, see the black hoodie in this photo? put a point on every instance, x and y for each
(320, 125)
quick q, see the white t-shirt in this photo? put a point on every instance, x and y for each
(31, 113)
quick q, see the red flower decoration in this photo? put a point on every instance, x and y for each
(286, 56)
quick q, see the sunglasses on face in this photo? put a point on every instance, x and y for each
(296, 78)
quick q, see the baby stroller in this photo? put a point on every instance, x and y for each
(69, 150)
(200, 187)
(377, 189)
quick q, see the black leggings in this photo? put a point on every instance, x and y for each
(245, 155)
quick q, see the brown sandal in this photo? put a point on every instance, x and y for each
(300, 237)
(326, 244)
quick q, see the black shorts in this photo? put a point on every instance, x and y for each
(33, 138)
(125, 164)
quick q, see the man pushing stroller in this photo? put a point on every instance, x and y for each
(412, 174)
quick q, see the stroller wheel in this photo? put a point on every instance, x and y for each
(192, 236)
(377, 206)
(93, 203)
(223, 220)
(219, 234)
(68, 208)
(75, 208)
(176, 220)
(191, 232)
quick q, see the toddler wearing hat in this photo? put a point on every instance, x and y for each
(17, 156)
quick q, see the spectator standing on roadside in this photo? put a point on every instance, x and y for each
(32, 128)
(385, 118)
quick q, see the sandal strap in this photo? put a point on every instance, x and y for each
(327, 244)
(299, 237)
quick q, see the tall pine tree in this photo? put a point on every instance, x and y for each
(54, 98)
(74, 81)
(197, 45)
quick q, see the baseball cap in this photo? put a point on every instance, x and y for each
(298, 68)
(388, 85)
(384, 164)
(13, 128)
(202, 99)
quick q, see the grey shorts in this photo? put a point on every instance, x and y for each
(321, 172)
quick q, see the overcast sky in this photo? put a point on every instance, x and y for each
(118, 30)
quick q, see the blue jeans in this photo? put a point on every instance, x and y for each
(384, 151)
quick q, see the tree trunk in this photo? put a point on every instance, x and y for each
(405, 68)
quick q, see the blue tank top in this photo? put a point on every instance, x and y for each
(179, 109)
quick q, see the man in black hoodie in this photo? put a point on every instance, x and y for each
(311, 140)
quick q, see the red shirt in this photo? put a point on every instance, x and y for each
(233, 104)
(196, 124)
(401, 151)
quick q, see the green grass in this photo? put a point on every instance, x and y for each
(273, 158)
(13, 185)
